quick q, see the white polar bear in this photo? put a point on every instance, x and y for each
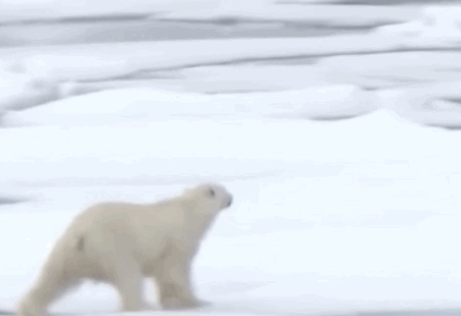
(121, 243)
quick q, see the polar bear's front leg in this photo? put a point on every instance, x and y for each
(174, 284)
(128, 280)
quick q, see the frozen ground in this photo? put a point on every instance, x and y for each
(327, 218)
(331, 216)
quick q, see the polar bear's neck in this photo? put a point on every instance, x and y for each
(196, 214)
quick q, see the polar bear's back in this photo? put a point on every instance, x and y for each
(109, 217)
(106, 232)
(124, 224)
(129, 219)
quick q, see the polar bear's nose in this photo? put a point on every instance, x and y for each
(229, 203)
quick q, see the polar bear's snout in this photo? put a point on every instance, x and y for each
(212, 196)
(224, 196)
(229, 201)
(220, 195)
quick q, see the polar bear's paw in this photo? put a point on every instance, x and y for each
(139, 307)
(30, 308)
(174, 303)
(201, 303)
(146, 306)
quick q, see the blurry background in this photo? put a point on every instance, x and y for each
(370, 43)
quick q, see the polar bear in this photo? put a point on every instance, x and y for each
(121, 243)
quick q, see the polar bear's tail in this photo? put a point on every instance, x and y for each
(53, 282)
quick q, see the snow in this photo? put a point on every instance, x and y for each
(373, 71)
(427, 104)
(32, 76)
(91, 62)
(20, 10)
(330, 216)
(213, 80)
(435, 23)
(119, 60)
(20, 90)
(323, 102)
(205, 10)
(166, 55)
(392, 69)
(313, 14)
(433, 105)
(329, 236)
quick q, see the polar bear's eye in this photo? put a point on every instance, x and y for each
(212, 193)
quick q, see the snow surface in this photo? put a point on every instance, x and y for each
(313, 14)
(392, 69)
(329, 217)
(21, 90)
(369, 71)
(31, 76)
(99, 61)
(323, 102)
(435, 23)
(433, 105)
(205, 10)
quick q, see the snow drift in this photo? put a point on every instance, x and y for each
(436, 24)
(143, 104)
(431, 105)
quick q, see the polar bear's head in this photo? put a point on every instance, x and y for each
(209, 197)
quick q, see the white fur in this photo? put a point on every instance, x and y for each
(121, 243)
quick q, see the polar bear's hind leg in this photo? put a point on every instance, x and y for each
(56, 279)
(50, 286)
